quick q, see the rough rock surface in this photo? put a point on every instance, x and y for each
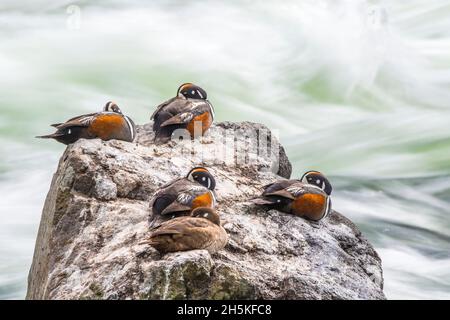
(96, 211)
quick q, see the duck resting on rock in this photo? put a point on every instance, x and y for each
(200, 230)
(179, 197)
(308, 197)
(108, 124)
(189, 110)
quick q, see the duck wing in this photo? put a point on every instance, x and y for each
(186, 110)
(279, 188)
(162, 105)
(184, 199)
(174, 200)
(81, 121)
(276, 193)
(76, 121)
(168, 193)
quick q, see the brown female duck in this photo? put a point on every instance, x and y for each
(201, 230)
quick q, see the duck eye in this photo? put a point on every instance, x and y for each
(204, 179)
(318, 181)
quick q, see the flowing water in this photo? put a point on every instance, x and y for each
(357, 89)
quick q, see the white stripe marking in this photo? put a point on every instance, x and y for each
(86, 120)
(130, 126)
(212, 110)
(328, 207)
(214, 198)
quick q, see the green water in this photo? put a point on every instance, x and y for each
(356, 89)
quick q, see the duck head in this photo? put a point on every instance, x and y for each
(206, 213)
(316, 178)
(203, 176)
(191, 91)
(112, 107)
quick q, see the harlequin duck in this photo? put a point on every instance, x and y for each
(201, 230)
(308, 197)
(189, 110)
(181, 196)
(106, 125)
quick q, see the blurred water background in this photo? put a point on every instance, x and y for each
(358, 89)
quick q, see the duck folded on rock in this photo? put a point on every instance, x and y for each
(200, 230)
(108, 124)
(181, 196)
(308, 197)
(189, 110)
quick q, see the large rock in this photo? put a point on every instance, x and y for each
(95, 217)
